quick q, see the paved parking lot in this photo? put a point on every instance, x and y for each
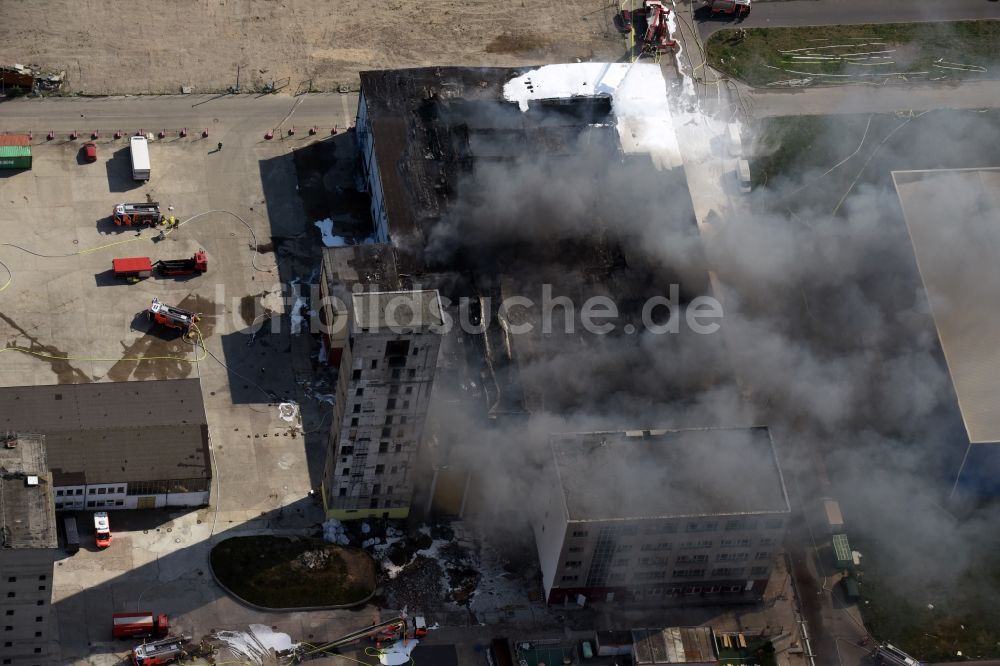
(63, 302)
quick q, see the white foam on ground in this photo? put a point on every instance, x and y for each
(639, 100)
(398, 653)
(288, 411)
(333, 532)
(255, 645)
(326, 228)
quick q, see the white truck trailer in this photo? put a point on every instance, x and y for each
(139, 148)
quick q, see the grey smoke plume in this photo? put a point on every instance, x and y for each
(827, 335)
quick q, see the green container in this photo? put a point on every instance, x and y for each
(15, 157)
(842, 551)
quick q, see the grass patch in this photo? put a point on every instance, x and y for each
(936, 620)
(835, 54)
(279, 572)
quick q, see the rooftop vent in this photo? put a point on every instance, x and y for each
(32, 481)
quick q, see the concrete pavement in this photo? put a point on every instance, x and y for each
(872, 99)
(251, 113)
(776, 13)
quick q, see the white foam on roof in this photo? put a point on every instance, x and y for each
(639, 100)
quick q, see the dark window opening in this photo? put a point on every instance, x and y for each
(397, 348)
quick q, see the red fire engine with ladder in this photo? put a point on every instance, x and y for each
(655, 18)
(384, 634)
(171, 317)
(156, 653)
(137, 213)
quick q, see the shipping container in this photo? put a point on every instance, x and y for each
(15, 157)
(72, 535)
(139, 149)
(15, 140)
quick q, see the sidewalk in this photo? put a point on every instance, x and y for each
(874, 99)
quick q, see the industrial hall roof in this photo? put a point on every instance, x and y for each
(953, 218)
(116, 431)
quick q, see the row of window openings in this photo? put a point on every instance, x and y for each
(383, 447)
(13, 579)
(39, 602)
(666, 545)
(390, 403)
(37, 650)
(389, 419)
(676, 591)
(92, 504)
(373, 503)
(393, 348)
(92, 491)
(684, 545)
(385, 432)
(376, 490)
(681, 559)
(379, 469)
(640, 576)
(711, 526)
(396, 372)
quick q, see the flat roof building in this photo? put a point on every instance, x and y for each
(118, 445)
(660, 513)
(674, 645)
(28, 545)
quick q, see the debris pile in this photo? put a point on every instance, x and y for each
(30, 78)
(312, 559)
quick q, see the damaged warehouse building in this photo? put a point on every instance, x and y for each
(490, 185)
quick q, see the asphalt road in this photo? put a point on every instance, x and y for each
(775, 13)
(174, 112)
(874, 99)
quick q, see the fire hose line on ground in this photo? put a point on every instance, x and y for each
(199, 343)
(369, 652)
(253, 260)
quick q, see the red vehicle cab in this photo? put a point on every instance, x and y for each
(90, 152)
(102, 529)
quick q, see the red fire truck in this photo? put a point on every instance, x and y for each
(143, 624)
(171, 317)
(164, 651)
(137, 213)
(176, 267)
